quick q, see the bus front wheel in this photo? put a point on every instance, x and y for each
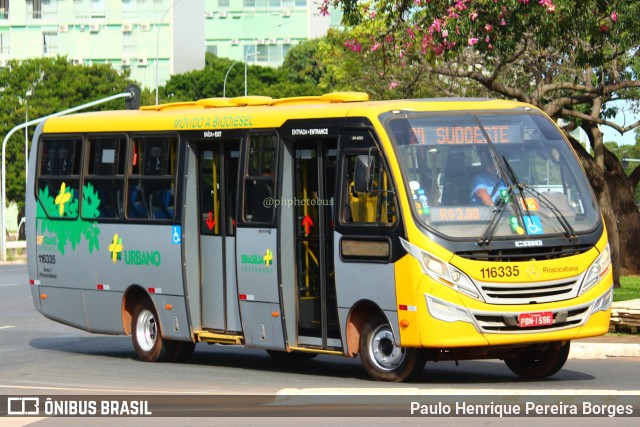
(147, 340)
(381, 359)
(536, 364)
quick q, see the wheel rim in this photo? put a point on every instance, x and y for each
(382, 350)
(146, 331)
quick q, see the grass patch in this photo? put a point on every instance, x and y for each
(630, 289)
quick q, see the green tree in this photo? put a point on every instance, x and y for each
(383, 77)
(210, 81)
(53, 84)
(298, 76)
(571, 59)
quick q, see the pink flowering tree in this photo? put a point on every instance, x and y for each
(570, 58)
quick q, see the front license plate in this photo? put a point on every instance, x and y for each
(528, 320)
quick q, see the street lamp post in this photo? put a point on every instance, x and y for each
(255, 51)
(224, 84)
(626, 160)
(246, 57)
(26, 132)
(158, 41)
(3, 176)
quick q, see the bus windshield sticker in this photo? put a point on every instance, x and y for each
(533, 224)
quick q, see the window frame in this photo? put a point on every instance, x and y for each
(142, 178)
(90, 176)
(75, 175)
(262, 178)
(345, 189)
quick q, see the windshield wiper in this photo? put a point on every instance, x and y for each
(570, 232)
(497, 214)
(487, 235)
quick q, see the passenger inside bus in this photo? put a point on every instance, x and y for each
(487, 184)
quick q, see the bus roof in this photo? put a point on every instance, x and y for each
(257, 112)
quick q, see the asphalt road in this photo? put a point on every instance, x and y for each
(41, 357)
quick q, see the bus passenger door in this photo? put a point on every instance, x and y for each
(314, 181)
(257, 259)
(217, 187)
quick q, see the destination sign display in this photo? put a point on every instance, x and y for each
(456, 134)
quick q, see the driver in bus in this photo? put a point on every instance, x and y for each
(487, 185)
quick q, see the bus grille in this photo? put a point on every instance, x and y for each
(530, 293)
(508, 322)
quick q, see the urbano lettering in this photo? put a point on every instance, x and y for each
(135, 257)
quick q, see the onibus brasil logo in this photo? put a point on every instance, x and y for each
(132, 256)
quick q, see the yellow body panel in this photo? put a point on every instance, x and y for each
(425, 330)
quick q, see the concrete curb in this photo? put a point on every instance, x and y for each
(594, 350)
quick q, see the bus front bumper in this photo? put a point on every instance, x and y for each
(450, 325)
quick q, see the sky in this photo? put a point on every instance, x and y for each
(624, 118)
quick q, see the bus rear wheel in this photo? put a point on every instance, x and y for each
(146, 336)
(381, 359)
(536, 364)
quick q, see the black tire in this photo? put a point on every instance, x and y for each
(147, 337)
(283, 356)
(536, 364)
(381, 359)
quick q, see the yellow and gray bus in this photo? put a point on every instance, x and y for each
(321, 225)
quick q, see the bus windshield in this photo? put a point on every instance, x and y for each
(491, 176)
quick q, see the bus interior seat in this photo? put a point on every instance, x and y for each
(137, 208)
(161, 204)
(107, 205)
(456, 186)
(363, 206)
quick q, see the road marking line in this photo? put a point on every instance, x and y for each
(20, 421)
(6, 327)
(346, 391)
(112, 390)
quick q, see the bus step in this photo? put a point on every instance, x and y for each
(214, 338)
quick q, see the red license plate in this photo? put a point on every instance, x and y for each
(528, 320)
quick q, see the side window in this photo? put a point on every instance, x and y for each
(218, 188)
(103, 189)
(59, 176)
(151, 186)
(210, 192)
(375, 206)
(259, 181)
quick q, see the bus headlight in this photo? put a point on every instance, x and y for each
(443, 272)
(597, 271)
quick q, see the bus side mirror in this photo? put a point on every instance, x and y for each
(362, 174)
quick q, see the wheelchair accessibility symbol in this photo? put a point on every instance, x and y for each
(176, 234)
(533, 224)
